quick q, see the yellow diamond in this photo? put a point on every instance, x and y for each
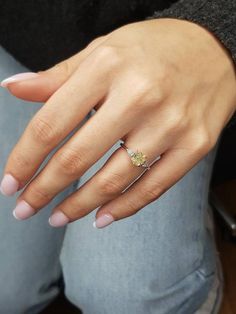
(138, 159)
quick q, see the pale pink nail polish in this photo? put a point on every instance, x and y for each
(18, 77)
(23, 210)
(58, 219)
(9, 185)
(103, 221)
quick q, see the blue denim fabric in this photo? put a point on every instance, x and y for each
(160, 261)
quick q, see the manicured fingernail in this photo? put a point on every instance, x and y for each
(23, 210)
(103, 221)
(9, 185)
(18, 77)
(58, 219)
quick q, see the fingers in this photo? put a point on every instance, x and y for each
(115, 176)
(40, 86)
(53, 122)
(82, 150)
(162, 175)
(108, 183)
(117, 173)
(89, 144)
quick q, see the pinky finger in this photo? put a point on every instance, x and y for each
(164, 173)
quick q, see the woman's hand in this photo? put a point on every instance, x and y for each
(166, 87)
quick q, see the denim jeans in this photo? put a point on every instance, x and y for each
(162, 260)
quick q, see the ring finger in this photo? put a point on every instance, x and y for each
(115, 176)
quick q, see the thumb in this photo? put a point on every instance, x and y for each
(38, 87)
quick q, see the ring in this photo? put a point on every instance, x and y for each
(138, 158)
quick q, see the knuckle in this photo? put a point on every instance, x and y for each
(202, 143)
(151, 191)
(144, 87)
(43, 131)
(145, 93)
(64, 68)
(197, 143)
(131, 206)
(108, 56)
(110, 184)
(20, 161)
(71, 162)
(96, 41)
(177, 121)
(38, 194)
(145, 195)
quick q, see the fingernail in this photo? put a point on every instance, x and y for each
(9, 185)
(103, 221)
(23, 210)
(18, 77)
(58, 219)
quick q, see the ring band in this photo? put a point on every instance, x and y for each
(138, 158)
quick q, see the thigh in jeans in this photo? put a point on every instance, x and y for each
(159, 261)
(29, 250)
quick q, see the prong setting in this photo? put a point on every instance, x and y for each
(137, 158)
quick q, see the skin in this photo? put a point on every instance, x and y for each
(166, 87)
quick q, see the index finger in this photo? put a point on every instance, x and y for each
(51, 124)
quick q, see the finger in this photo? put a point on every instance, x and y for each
(53, 122)
(173, 165)
(40, 86)
(116, 175)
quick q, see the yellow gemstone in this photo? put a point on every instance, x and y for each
(138, 159)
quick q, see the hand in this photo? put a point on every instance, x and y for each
(166, 87)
